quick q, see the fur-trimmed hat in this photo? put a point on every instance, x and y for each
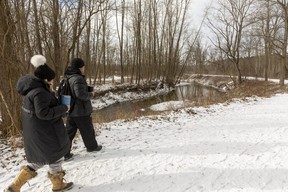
(42, 71)
(77, 63)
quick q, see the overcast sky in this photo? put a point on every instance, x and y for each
(198, 8)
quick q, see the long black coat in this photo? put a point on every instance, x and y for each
(45, 136)
(81, 96)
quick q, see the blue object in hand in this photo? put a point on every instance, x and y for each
(65, 99)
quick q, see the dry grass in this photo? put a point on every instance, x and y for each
(259, 88)
(247, 89)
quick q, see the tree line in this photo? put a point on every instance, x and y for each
(147, 39)
(249, 37)
(141, 41)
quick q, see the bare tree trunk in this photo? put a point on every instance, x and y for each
(22, 44)
(284, 6)
(284, 53)
(10, 100)
(96, 59)
(121, 38)
(37, 28)
(56, 40)
(267, 42)
(103, 48)
(137, 33)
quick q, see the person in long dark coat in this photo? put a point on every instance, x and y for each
(45, 137)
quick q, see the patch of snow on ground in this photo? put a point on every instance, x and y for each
(238, 146)
(170, 105)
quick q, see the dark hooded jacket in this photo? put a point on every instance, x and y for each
(45, 136)
(80, 95)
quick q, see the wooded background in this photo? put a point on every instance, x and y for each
(140, 41)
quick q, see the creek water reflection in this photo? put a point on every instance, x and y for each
(188, 92)
(196, 92)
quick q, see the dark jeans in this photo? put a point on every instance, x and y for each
(85, 126)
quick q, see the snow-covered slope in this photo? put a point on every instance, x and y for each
(240, 146)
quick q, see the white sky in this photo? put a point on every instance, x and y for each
(198, 9)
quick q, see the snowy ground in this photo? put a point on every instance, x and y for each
(240, 146)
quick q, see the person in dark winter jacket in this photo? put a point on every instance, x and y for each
(45, 137)
(79, 116)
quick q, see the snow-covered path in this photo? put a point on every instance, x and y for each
(241, 146)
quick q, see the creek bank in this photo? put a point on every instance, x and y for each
(118, 93)
(220, 82)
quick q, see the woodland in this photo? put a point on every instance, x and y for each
(140, 41)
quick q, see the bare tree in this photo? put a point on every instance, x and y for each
(96, 48)
(199, 57)
(267, 39)
(9, 73)
(56, 37)
(153, 40)
(121, 38)
(175, 26)
(37, 28)
(231, 19)
(283, 38)
(22, 42)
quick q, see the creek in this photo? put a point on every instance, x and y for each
(185, 92)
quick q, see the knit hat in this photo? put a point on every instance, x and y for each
(77, 63)
(42, 71)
